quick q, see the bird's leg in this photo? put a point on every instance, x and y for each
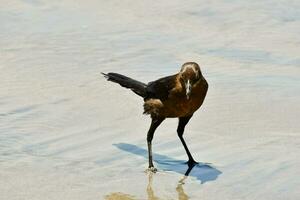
(154, 124)
(181, 125)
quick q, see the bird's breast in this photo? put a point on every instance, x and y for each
(177, 104)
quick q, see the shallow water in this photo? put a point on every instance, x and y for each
(67, 133)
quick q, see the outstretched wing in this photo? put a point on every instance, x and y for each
(160, 88)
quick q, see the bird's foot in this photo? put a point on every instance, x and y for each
(191, 163)
(151, 169)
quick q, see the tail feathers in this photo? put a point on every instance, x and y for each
(136, 86)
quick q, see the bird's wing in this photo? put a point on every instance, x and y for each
(160, 88)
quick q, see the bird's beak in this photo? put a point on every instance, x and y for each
(188, 89)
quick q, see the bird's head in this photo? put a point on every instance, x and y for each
(189, 74)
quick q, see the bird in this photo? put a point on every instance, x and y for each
(174, 96)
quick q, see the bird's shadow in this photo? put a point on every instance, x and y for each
(204, 172)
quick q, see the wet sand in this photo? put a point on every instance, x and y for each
(67, 133)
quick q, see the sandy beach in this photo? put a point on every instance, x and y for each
(67, 133)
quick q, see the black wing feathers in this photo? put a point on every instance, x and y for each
(160, 88)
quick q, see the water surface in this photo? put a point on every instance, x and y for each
(61, 122)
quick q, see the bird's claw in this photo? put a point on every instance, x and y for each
(151, 169)
(191, 163)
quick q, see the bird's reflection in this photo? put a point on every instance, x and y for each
(150, 192)
(119, 196)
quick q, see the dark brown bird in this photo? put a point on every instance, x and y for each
(178, 95)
